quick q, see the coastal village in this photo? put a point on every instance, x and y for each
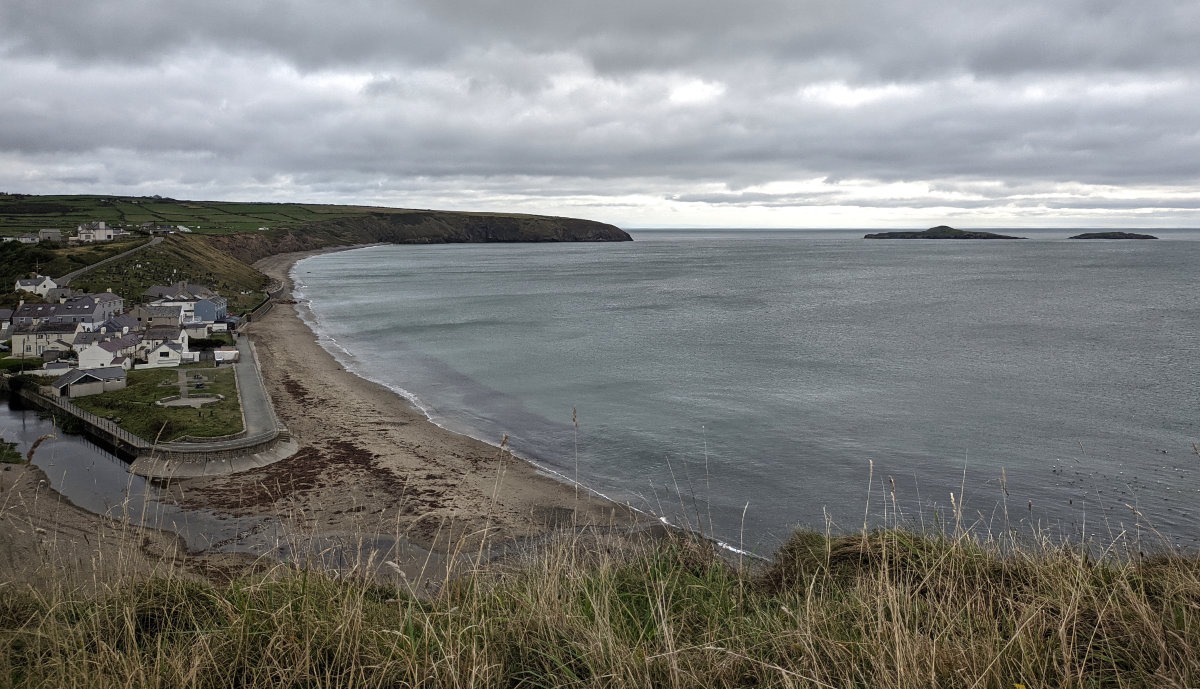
(84, 338)
(87, 342)
(149, 370)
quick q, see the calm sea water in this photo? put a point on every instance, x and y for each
(755, 381)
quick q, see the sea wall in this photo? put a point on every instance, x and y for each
(186, 457)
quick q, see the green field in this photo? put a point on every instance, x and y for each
(21, 213)
(134, 410)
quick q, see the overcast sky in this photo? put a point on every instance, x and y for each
(643, 113)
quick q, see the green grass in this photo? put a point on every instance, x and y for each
(17, 260)
(886, 609)
(9, 454)
(15, 364)
(179, 258)
(134, 406)
(19, 213)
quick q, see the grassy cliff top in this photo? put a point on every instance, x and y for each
(21, 213)
(224, 238)
(885, 609)
(24, 213)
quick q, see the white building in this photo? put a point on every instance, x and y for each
(39, 285)
(95, 232)
(164, 355)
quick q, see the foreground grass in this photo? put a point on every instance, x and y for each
(134, 410)
(890, 608)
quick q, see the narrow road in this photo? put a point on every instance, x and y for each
(66, 279)
(256, 405)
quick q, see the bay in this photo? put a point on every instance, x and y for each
(745, 382)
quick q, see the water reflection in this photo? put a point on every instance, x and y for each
(96, 480)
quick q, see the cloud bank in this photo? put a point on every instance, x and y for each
(797, 114)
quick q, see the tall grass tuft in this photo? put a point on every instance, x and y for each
(878, 608)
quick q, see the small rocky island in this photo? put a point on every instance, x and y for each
(1113, 235)
(939, 232)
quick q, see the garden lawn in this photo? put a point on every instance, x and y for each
(134, 410)
(13, 363)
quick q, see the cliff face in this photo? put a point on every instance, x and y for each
(418, 227)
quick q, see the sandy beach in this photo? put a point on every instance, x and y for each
(373, 470)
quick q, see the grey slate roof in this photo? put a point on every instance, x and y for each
(116, 344)
(179, 291)
(163, 311)
(79, 374)
(162, 333)
(48, 328)
(120, 322)
(35, 311)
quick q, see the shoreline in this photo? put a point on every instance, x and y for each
(410, 398)
(372, 466)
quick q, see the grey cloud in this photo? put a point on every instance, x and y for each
(424, 99)
(901, 40)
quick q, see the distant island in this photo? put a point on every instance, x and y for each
(1113, 235)
(939, 232)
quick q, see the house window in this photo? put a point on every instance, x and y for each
(163, 355)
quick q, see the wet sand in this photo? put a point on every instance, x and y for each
(373, 473)
(47, 542)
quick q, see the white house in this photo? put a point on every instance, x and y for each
(39, 285)
(81, 382)
(157, 335)
(92, 310)
(113, 352)
(33, 340)
(225, 354)
(95, 232)
(164, 355)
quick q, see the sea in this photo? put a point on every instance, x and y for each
(745, 383)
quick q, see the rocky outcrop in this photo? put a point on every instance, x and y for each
(939, 232)
(1113, 235)
(417, 227)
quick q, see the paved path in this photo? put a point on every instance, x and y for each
(66, 279)
(256, 404)
(257, 409)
